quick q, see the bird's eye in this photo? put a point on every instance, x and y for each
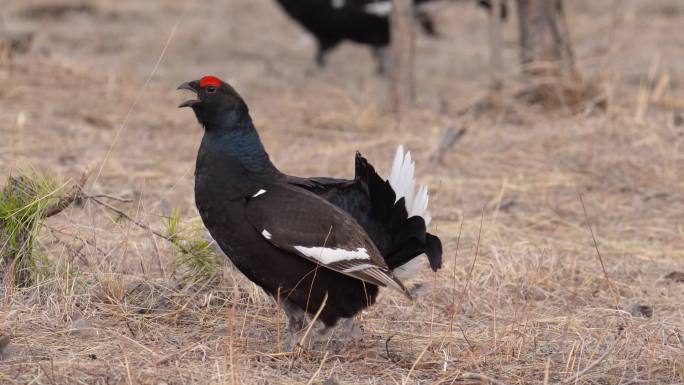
(211, 89)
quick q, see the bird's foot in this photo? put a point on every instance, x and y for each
(291, 343)
(350, 329)
(321, 332)
(421, 290)
(298, 340)
(312, 69)
(382, 60)
(296, 319)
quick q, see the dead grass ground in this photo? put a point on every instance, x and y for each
(522, 297)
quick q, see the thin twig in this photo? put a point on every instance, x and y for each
(472, 267)
(230, 319)
(70, 197)
(325, 356)
(112, 197)
(74, 236)
(313, 280)
(590, 366)
(420, 357)
(126, 364)
(314, 319)
(277, 320)
(127, 217)
(140, 94)
(387, 341)
(453, 287)
(7, 300)
(598, 253)
(165, 359)
(483, 378)
(141, 225)
(49, 376)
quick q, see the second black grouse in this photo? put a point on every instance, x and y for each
(361, 21)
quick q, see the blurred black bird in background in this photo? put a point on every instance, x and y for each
(361, 21)
(305, 239)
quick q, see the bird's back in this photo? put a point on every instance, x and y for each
(348, 21)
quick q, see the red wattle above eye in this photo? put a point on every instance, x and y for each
(210, 81)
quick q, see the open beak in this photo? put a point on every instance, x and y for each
(190, 86)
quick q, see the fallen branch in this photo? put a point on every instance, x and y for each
(450, 137)
(70, 197)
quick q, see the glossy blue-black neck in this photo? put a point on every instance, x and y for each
(232, 134)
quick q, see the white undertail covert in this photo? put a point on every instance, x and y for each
(403, 182)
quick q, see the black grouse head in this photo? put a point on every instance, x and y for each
(218, 105)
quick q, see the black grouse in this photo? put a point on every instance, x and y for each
(304, 238)
(361, 21)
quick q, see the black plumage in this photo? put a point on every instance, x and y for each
(360, 21)
(366, 22)
(301, 237)
(372, 202)
(503, 7)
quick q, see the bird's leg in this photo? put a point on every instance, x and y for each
(381, 59)
(425, 21)
(320, 57)
(295, 318)
(323, 47)
(349, 328)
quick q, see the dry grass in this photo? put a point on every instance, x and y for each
(522, 297)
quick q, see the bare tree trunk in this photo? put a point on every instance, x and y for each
(402, 55)
(544, 37)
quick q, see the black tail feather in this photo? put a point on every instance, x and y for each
(433, 251)
(398, 237)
